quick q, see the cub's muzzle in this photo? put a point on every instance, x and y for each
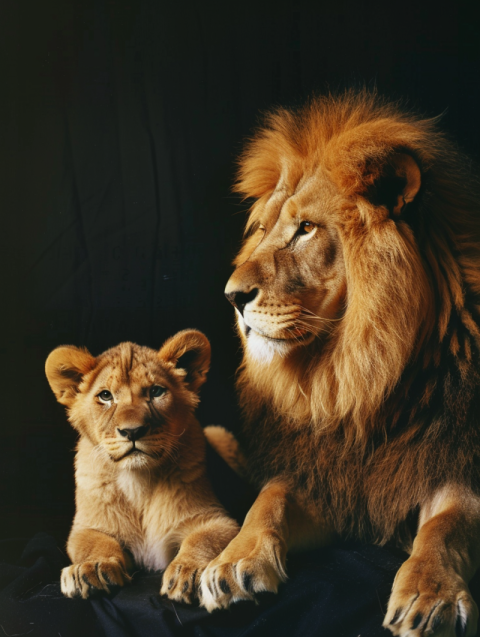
(134, 433)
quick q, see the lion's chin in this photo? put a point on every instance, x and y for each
(263, 349)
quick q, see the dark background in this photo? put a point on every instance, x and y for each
(120, 124)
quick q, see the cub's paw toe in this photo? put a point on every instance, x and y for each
(181, 581)
(433, 603)
(232, 577)
(82, 580)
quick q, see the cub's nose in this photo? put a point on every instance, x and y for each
(240, 299)
(134, 433)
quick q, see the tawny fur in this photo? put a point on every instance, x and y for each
(227, 447)
(357, 290)
(147, 499)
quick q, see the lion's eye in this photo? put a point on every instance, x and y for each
(105, 395)
(306, 227)
(157, 391)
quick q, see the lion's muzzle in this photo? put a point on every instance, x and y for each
(239, 298)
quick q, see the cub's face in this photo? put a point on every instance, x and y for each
(290, 284)
(133, 403)
(132, 406)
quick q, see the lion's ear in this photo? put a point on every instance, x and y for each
(409, 171)
(382, 175)
(190, 351)
(65, 368)
(393, 182)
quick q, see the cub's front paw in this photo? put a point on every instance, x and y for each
(247, 566)
(181, 580)
(81, 580)
(430, 600)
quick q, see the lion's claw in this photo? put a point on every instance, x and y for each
(431, 602)
(86, 578)
(230, 578)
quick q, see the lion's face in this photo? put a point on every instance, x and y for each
(132, 402)
(290, 283)
(328, 239)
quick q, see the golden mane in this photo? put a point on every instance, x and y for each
(412, 285)
(356, 293)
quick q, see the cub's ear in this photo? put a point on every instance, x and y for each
(393, 182)
(65, 368)
(190, 352)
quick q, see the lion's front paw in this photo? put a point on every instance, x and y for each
(247, 566)
(181, 580)
(430, 600)
(81, 580)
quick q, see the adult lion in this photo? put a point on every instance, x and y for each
(356, 294)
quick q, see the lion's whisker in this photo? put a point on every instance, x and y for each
(314, 329)
(305, 310)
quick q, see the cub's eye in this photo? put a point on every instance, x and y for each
(105, 395)
(306, 227)
(157, 391)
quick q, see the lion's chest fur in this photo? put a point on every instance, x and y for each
(335, 485)
(142, 511)
(368, 491)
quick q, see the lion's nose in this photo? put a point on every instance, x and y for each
(133, 433)
(240, 299)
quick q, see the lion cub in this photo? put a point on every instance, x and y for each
(141, 487)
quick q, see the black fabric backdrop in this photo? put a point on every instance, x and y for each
(120, 124)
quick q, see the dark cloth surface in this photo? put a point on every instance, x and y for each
(337, 592)
(30, 599)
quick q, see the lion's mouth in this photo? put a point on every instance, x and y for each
(298, 334)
